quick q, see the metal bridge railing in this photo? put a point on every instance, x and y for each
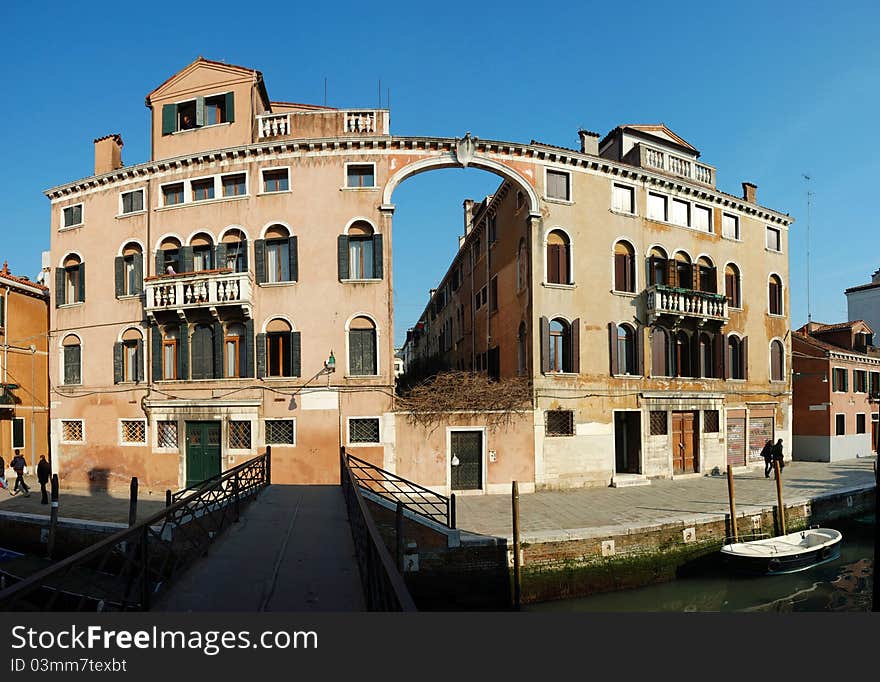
(392, 487)
(125, 571)
(383, 585)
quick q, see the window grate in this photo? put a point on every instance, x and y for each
(710, 421)
(279, 432)
(134, 431)
(167, 434)
(239, 435)
(659, 423)
(72, 430)
(559, 422)
(363, 430)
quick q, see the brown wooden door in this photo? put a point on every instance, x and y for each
(684, 443)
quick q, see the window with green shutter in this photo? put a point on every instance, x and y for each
(72, 362)
(362, 347)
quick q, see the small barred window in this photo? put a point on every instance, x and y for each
(710, 421)
(167, 434)
(363, 430)
(134, 431)
(280, 432)
(559, 422)
(659, 423)
(239, 435)
(72, 430)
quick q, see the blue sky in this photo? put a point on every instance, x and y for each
(766, 91)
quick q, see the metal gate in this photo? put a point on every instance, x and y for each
(760, 431)
(466, 460)
(736, 441)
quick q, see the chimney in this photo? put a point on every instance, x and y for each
(589, 142)
(875, 278)
(750, 192)
(108, 154)
(468, 205)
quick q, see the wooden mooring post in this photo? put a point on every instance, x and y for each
(53, 518)
(875, 596)
(732, 503)
(133, 502)
(398, 536)
(167, 498)
(517, 577)
(780, 507)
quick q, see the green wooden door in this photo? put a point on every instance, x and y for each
(202, 451)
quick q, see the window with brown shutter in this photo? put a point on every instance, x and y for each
(775, 292)
(659, 353)
(624, 267)
(658, 266)
(558, 254)
(776, 361)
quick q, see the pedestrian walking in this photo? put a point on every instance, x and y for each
(767, 454)
(44, 473)
(18, 464)
(778, 455)
(3, 484)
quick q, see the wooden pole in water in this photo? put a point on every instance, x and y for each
(732, 503)
(517, 577)
(780, 508)
(53, 517)
(133, 501)
(875, 597)
(398, 536)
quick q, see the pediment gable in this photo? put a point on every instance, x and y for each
(202, 74)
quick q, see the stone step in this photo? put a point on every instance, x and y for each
(629, 480)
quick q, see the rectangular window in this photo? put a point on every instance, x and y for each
(657, 207)
(72, 431)
(72, 215)
(167, 434)
(729, 226)
(702, 218)
(360, 175)
(363, 430)
(623, 199)
(172, 195)
(681, 213)
(132, 284)
(710, 421)
(133, 431)
(131, 360)
(493, 229)
(360, 262)
(659, 423)
(280, 432)
(72, 365)
(860, 381)
(277, 261)
(774, 239)
(203, 189)
(231, 356)
(558, 185)
(861, 425)
(278, 344)
(169, 358)
(875, 385)
(234, 185)
(132, 202)
(362, 352)
(276, 180)
(839, 380)
(239, 435)
(840, 425)
(559, 423)
(215, 110)
(17, 432)
(493, 294)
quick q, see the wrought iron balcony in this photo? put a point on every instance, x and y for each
(685, 303)
(209, 289)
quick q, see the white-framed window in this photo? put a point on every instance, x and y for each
(239, 434)
(280, 431)
(657, 207)
(131, 202)
(202, 189)
(18, 439)
(623, 199)
(172, 194)
(72, 216)
(839, 424)
(729, 226)
(234, 184)
(275, 180)
(861, 423)
(360, 175)
(702, 216)
(363, 431)
(558, 184)
(680, 213)
(774, 239)
(73, 431)
(167, 435)
(132, 431)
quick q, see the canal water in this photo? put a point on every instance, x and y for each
(841, 585)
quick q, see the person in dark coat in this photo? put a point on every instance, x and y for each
(778, 455)
(18, 464)
(767, 454)
(44, 472)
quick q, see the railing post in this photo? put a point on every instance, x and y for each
(268, 465)
(132, 501)
(517, 577)
(167, 498)
(398, 536)
(452, 511)
(235, 492)
(53, 518)
(145, 569)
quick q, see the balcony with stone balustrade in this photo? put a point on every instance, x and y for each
(322, 123)
(208, 290)
(701, 306)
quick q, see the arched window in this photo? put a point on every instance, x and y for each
(706, 274)
(660, 364)
(202, 252)
(624, 267)
(736, 357)
(522, 266)
(362, 347)
(684, 271)
(202, 352)
(70, 282)
(707, 356)
(777, 361)
(128, 356)
(558, 258)
(129, 270)
(232, 251)
(626, 349)
(732, 286)
(278, 350)
(521, 350)
(775, 292)
(682, 355)
(560, 346)
(72, 353)
(168, 261)
(170, 339)
(360, 252)
(658, 264)
(233, 350)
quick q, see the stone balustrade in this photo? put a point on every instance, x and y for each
(273, 125)
(193, 290)
(663, 300)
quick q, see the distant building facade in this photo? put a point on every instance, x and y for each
(863, 302)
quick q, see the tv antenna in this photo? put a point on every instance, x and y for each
(809, 207)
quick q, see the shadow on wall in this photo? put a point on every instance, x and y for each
(99, 480)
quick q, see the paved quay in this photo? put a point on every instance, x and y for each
(594, 512)
(292, 550)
